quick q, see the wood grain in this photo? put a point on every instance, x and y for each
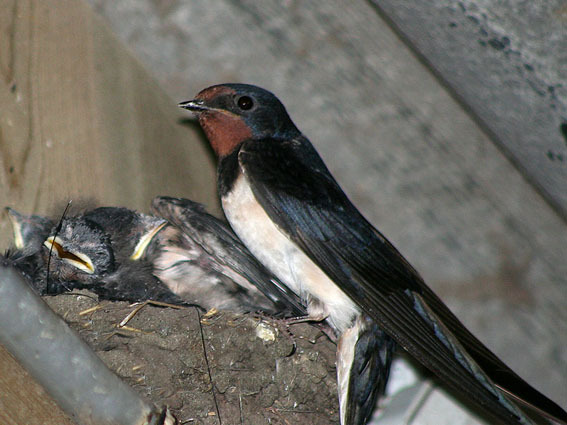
(81, 119)
(407, 154)
(22, 400)
(505, 62)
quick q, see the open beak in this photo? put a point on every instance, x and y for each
(77, 259)
(195, 105)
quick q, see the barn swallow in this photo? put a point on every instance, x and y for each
(181, 255)
(82, 255)
(194, 255)
(29, 230)
(200, 258)
(283, 203)
(130, 232)
(29, 265)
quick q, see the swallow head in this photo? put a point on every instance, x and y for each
(232, 113)
(130, 232)
(29, 230)
(80, 252)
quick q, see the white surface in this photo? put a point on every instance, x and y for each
(414, 401)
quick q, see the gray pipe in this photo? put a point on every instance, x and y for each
(63, 364)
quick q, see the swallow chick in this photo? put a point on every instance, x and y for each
(29, 230)
(127, 234)
(201, 259)
(79, 253)
(181, 255)
(283, 203)
(25, 256)
(194, 256)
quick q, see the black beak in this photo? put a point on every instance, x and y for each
(195, 105)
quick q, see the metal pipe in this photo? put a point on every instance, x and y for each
(63, 364)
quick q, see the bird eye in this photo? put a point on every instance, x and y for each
(245, 103)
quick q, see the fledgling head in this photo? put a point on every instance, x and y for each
(80, 252)
(130, 232)
(29, 230)
(232, 113)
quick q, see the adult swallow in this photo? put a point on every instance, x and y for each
(284, 204)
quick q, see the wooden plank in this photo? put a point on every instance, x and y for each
(22, 400)
(404, 150)
(506, 62)
(80, 118)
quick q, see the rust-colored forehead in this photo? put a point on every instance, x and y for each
(213, 92)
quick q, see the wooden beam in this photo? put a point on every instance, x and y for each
(22, 400)
(503, 61)
(81, 119)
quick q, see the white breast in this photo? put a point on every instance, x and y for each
(279, 254)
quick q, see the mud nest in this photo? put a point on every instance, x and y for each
(193, 362)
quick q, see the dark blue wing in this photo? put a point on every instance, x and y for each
(293, 185)
(373, 353)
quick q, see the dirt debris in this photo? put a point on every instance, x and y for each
(257, 376)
